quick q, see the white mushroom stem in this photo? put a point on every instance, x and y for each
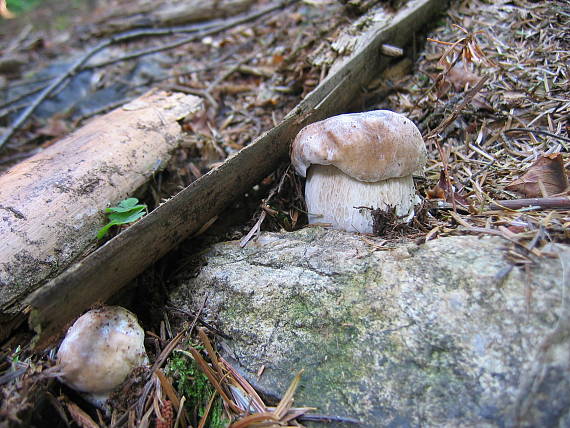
(332, 196)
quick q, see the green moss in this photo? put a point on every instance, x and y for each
(193, 384)
(188, 379)
(336, 341)
(331, 344)
(217, 417)
(329, 328)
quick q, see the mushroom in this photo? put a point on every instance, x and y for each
(100, 350)
(358, 162)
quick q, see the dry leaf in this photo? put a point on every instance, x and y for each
(277, 59)
(79, 416)
(461, 77)
(442, 190)
(545, 177)
(438, 191)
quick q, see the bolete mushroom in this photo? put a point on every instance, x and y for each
(100, 350)
(359, 160)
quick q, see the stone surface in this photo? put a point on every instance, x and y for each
(439, 334)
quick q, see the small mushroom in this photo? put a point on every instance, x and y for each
(359, 160)
(100, 350)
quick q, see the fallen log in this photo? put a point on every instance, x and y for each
(104, 272)
(165, 12)
(52, 204)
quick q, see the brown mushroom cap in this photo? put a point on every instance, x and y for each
(370, 146)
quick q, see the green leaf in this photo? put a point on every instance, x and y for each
(128, 203)
(125, 206)
(103, 231)
(127, 211)
(122, 218)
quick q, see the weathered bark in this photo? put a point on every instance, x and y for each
(51, 205)
(104, 272)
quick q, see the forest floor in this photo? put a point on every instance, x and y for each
(489, 89)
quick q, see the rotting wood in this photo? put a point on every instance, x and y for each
(105, 271)
(52, 203)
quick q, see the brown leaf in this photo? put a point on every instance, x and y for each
(437, 192)
(461, 77)
(79, 416)
(443, 190)
(277, 59)
(545, 177)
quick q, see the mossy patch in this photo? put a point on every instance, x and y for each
(193, 384)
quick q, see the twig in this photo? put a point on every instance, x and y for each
(230, 71)
(180, 410)
(257, 226)
(438, 79)
(202, 322)
(158, 30)
(328, 418)
(170, 347)
(54, 85)
(207, 411)
(503, 233)
(449, 119)
(104, 109)
(254, 230)
(211, 375)
(543, 203)
(538, 131)
(196, 36)
(78, 65)
(30, 82)
(188, 90)
(255, 403)
(445, 123)
(5, 107)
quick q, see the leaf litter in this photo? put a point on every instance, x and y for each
(490, 93)
(510, 140)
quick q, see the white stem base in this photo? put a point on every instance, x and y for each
(332, 195)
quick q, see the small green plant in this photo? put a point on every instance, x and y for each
(15, 357)
(127, 211)
(21, 6)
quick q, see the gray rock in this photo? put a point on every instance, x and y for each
(439, 334)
